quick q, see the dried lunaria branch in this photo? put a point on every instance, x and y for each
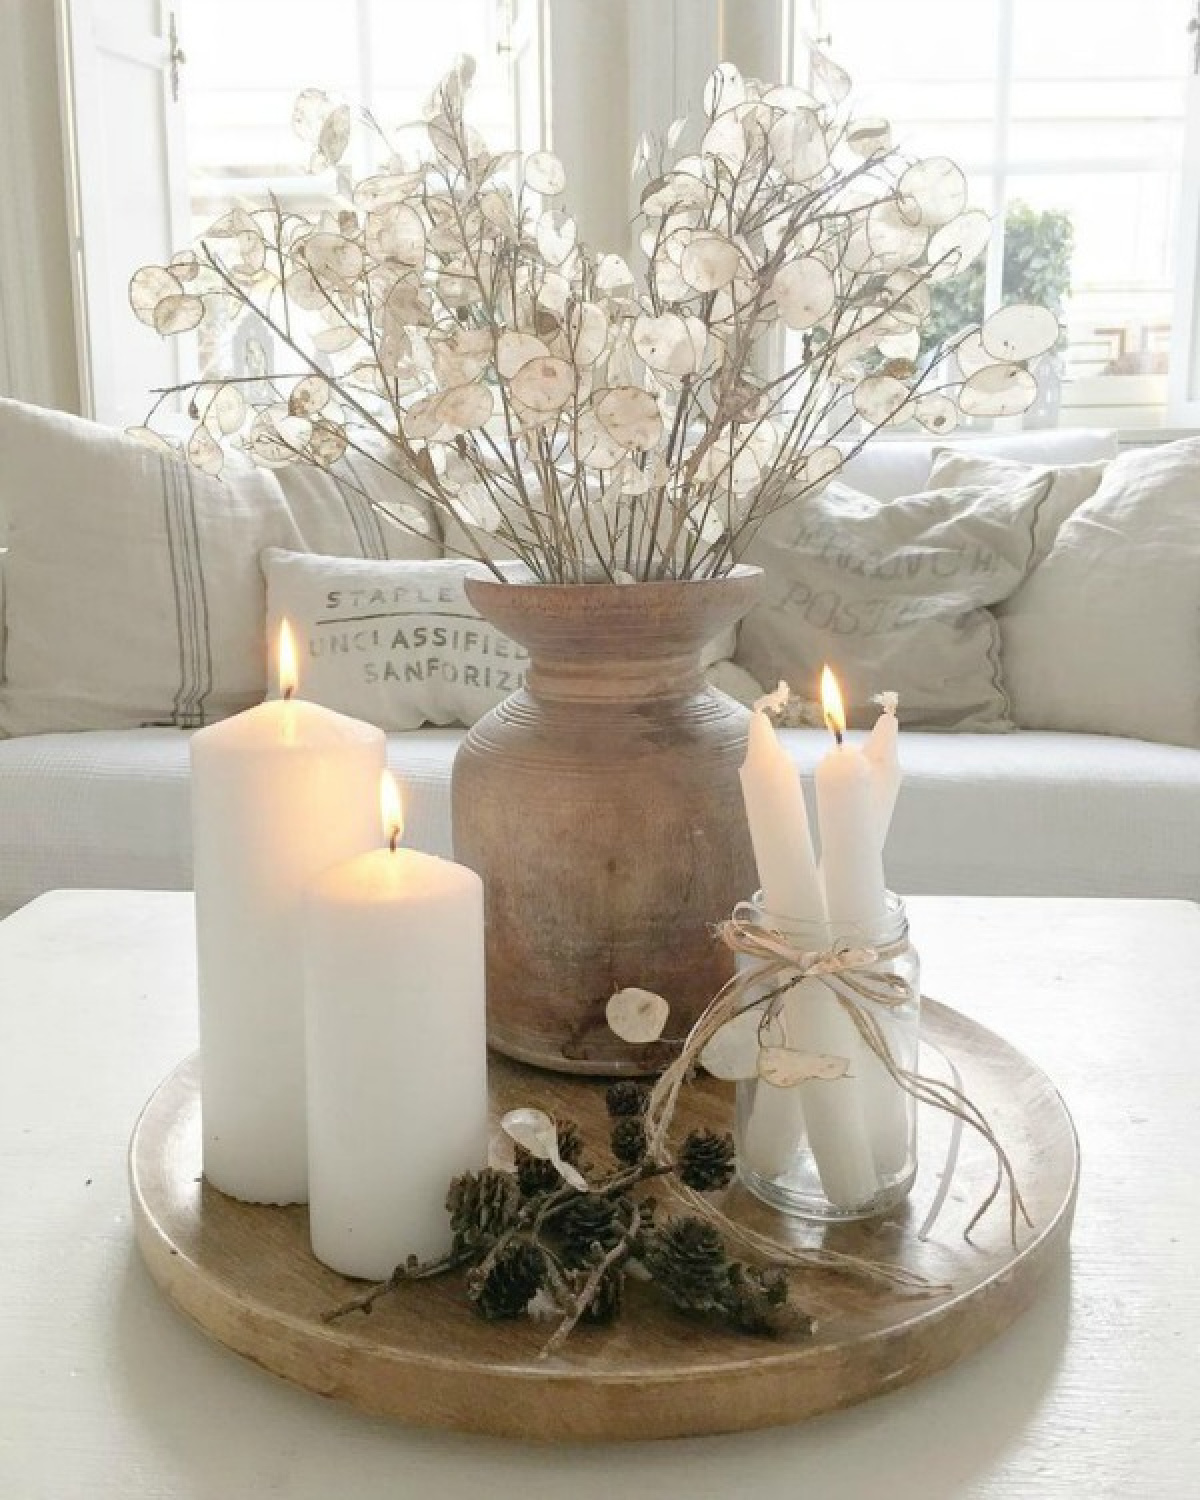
(443, 318)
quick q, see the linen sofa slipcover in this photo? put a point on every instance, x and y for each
(981, 814)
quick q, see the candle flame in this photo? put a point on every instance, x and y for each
(831, 704)
(391, 805)
(288, 674)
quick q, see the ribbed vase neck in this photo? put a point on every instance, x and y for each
(617, 679)
(611, 642)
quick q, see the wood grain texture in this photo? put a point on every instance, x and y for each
(602, 809)
(245, 1274)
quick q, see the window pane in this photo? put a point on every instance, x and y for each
(1119, 305)
(248, 61)
(1069, 117)
(1097, 137)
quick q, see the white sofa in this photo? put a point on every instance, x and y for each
(1022, 813)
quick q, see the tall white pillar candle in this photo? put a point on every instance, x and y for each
(856, 899)
(812, 1019)
(397, 1055)
(279, 793)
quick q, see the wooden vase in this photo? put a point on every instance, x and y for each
(602, 808)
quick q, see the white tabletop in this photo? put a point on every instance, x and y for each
(106, 1393)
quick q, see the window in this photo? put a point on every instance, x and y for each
(1070, 120)
(246, 63)
(1079, 125)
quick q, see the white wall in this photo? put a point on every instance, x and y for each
(38, 359)
(589, 125)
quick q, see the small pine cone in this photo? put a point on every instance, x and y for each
(686, 1258)
(482, 1205)
(757, 1302)
(706, 1161)
(515, 1278)
(588, 1220)
(629, 1140)
(570, 1142)
(606, 1305)
(626, 1099)
(535, 1175)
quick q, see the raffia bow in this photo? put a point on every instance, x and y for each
(857, 971)
(862, 983)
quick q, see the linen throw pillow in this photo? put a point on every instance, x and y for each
(1105, 636)
(398, 644)
(133, 593)
(1070, 486)
(894, 595)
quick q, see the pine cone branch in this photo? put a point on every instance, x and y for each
(629, 1140)
(625, 1099)
(482, 1206)
(535, 1175)
(757, 1302)
(514, 1278)
(609, 1299)
(706, 1161)
(590, 1220)
(687, 1261)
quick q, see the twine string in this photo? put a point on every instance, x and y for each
(861, 981)
(951, 1161)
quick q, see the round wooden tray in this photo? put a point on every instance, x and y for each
(245, 1274)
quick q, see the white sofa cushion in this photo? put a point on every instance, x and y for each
(1070, 486)
(133, 591)
(888, 467)
(111, 808)
(396, 643)
(1105, 636)
(1019, 814)
(894, 595)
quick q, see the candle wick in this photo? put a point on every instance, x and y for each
(394, 840)
(837, 734)
(287, 693)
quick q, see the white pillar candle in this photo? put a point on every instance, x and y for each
(811, 1017)
(848, 805)
(279, 793)
(397, 1055)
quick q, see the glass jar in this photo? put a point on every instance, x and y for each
(834, 1147)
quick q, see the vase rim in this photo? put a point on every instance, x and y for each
(740, 573)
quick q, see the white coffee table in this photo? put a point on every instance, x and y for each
(106, 1393)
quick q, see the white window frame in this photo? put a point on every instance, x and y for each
(590, 76)
(1183, 402)
(1183, 390)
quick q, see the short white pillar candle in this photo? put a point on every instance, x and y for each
(279, 793)
(397, 1054)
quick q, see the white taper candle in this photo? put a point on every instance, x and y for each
(812, 1019)
(849, 809)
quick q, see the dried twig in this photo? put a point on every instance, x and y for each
(539, 400)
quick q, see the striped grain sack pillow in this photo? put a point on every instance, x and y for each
(133, 593)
